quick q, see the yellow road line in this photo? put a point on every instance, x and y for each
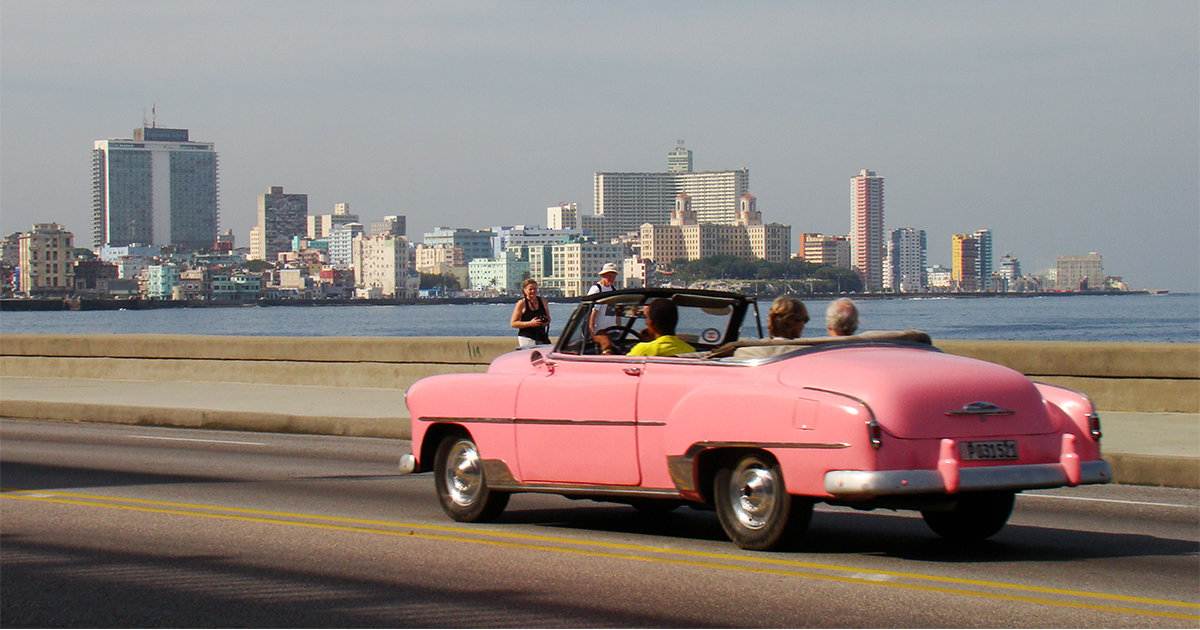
(606, 555)
(475, 531)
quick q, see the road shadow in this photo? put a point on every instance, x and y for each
(25, 476)
(875, 534)
(908, 538)
(59, 585)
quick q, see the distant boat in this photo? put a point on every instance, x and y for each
(1158, 291)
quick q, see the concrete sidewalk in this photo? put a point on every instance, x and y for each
(1144, 448)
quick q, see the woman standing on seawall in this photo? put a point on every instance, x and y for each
(531, 317)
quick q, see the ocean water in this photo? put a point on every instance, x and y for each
(1167, 318)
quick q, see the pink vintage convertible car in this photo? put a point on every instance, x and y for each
(758, 430)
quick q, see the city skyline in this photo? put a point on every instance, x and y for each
(1042, 122)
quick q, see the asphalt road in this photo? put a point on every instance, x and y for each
(133, 526)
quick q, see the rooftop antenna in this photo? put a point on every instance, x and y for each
(143, 116)
(154, 115)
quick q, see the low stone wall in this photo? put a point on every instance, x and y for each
(1119, 376)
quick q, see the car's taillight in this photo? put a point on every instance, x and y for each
(875, 433)
(1094, 426)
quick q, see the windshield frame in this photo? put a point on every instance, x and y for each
(740, 305)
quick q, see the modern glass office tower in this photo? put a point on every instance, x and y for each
(157, 188)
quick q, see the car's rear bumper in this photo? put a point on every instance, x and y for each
(851, 484)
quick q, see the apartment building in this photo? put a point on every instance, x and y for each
(829, 250)
(45, 258)
(381, 262)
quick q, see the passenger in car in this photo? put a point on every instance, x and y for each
(787, 318)
(661, 318)
(785, 321)
(841, 318)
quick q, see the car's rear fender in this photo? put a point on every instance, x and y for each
(808, 433)
(1074, 413)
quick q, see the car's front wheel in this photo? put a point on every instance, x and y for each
(753, 505)
(461, 484)
(975, 516)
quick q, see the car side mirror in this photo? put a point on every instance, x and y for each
(538, 360)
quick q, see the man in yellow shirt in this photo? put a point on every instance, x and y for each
(661, 318)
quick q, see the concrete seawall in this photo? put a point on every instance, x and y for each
(1145, 377)
(355, 385)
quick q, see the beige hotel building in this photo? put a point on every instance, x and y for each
(687, 238)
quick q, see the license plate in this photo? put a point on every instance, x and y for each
(993, 449)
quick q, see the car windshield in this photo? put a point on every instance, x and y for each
(705, 322)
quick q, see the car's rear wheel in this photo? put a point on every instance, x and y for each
(975, 516)
(461, 484)
(753, 505)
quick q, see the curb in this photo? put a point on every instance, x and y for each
(1155, 470)
(395, 428)
(1128, 468)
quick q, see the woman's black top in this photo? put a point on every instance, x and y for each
(539, 334)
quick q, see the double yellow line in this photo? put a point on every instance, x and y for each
(966, 587)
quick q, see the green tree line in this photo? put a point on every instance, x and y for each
(834, 279)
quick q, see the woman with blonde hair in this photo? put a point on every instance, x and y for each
(787, 318)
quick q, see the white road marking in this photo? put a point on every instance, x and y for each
(1150, 503)
(177, 439)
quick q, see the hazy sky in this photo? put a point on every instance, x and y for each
(1065, 127)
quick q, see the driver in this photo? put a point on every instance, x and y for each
(661, 318)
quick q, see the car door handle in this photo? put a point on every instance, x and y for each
(633, 371)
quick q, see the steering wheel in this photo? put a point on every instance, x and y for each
(619, 337)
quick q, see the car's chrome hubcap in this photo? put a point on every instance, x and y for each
(753, 495)
(464, 476)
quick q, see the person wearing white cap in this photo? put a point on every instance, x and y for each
(603, 316)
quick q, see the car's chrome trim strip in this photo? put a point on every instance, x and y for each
(865, 484)
(589, 423)
(552, 421)
(695, 449)
(618, 359)
(581, 490)
(465, 420)
(500, 478)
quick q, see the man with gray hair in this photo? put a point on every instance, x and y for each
(841, 318)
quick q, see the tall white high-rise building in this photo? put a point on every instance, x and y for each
(983, 264)
(157, 188)
(866, 228)
(904, 264)
(627, 200)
